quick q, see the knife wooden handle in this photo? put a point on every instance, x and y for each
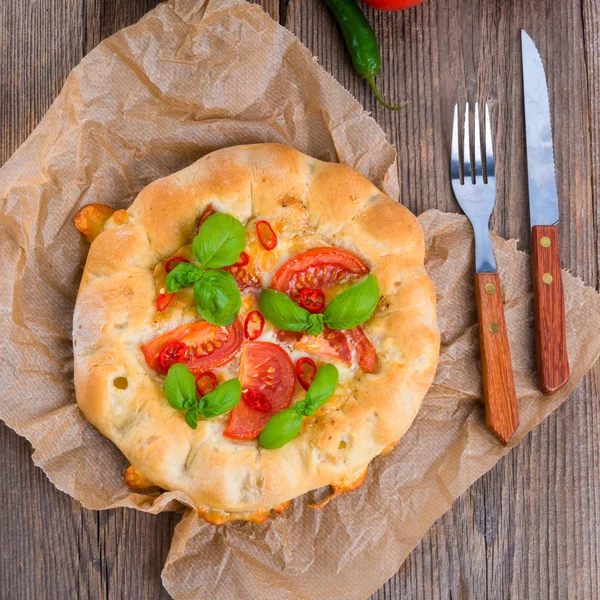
(501, 410)
(549, 310)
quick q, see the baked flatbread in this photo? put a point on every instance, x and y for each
(309, 204)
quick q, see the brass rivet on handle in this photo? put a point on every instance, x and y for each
(545, 241)
(489, 288)
(547, 278)
(494, 327)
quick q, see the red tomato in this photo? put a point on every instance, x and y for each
(330, 344)
(267, 369)
(366, 355)
(393, 4)
(318, 268)
(206, 346)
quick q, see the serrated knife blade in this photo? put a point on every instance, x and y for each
(543, 198)
(548, 296)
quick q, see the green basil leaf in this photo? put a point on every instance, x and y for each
(218, 298)
(354, 306)
(315, 324)
(180, 386)
(191, 418)
(221, 400)
(283, 312)
(181, 276)
(321, 389)
(281, 429)
(220, 241)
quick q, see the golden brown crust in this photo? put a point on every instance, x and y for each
(310, 204)
(90, 220)
(138, 482)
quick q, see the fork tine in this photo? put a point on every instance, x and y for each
(489, 148)
(477, 169)
(466, 147)
(454, 157)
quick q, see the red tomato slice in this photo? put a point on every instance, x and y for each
(330, 344)
(366, 355)
(318, 268)
(207, 346)
(267, 369)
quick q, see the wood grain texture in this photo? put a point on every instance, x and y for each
(529, 528)
(501, 409)
(549, 310)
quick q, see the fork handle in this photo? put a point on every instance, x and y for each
(501, 410)
(549, 310)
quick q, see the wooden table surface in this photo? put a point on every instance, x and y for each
(530, 528)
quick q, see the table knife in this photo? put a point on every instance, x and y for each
(549, 303)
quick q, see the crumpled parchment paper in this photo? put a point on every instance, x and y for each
(190, 77)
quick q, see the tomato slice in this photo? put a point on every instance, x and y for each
(318, 268)
(366, 355)
(330, 344)
(207, 346)
(267, 369)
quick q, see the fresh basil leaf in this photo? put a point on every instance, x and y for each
(220, 241)
(354, 306)
(283, 312)
(321, 389)
(280, 429)
(180, 386)
(315, 324)
(191, 418)
(221, 400)
(218, 298)
(181, 276)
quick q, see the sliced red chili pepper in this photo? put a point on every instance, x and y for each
(170, 354)
(173, 262)
(210, 210)
(312, 300)
(266, 235)
(305, 371)
(254, 399)
(254, 325)
(163, 301)
(243, 261)
(206, 383)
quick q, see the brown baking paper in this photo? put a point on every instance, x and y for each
(191, 77)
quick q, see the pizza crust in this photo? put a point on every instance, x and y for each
(310, 203)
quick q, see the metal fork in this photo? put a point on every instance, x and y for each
(476, 196)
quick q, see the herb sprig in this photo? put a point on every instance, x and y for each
(219, 243)
(180, 390)
(347, 310)
(285, 425)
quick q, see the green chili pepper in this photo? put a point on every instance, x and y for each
(361, 43)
